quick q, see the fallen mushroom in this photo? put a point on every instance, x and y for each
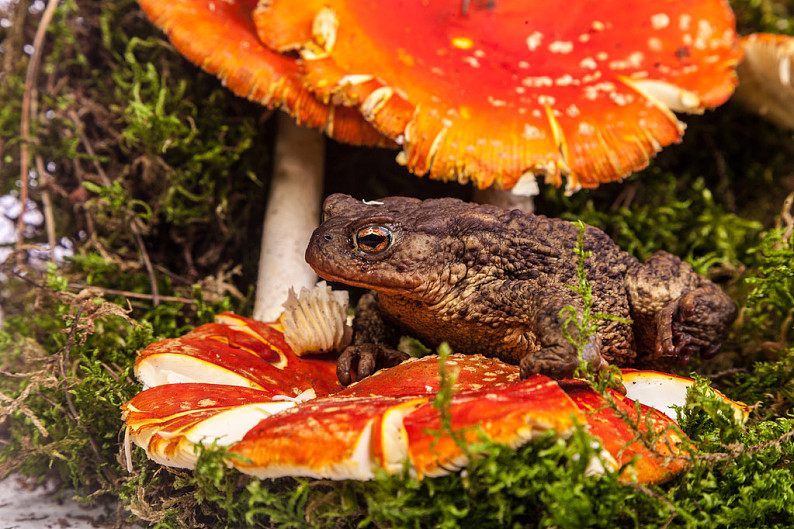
(236, 383)
(219, 36)
(497, 92)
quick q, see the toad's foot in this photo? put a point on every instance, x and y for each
(364, 359)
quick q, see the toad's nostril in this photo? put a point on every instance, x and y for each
(328, 237)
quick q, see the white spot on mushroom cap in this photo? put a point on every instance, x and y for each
(589, 63)
(564, 80)
(704, 34)
(471, 61)
(561, 46)
(533, 41)
(633, 61)
(683, 22)
(660, 21)
(532, 133)
(535, 82)
(654, 44)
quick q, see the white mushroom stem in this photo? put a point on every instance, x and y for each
(292, 213)
(522, 196)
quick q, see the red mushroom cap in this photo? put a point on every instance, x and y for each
(490, 91)
(219, 36)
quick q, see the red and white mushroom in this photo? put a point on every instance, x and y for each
(237, 383)
(493, 92)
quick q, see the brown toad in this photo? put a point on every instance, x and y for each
(492, 281)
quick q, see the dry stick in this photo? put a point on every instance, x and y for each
(133, 226)
(24, 125)
(46, 202)
(645, 490)
(136, 295)
(787, 217)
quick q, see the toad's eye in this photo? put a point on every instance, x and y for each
(373, 239)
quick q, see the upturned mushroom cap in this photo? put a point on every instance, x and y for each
(419, 376)
(236, 351)
(496, 90)
(170, 421)
(511, 415)
(664, 391)
(219, 36)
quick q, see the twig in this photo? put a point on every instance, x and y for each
(135, 295)
(24, 125)
(46, 202)
(787, 217)
(18, 404)
(653, 494)
(146, 262)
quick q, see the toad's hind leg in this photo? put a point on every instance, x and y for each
(676, 311)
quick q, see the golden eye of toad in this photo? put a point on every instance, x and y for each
(373, 239)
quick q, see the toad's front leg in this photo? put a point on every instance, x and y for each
(372, 348)
(558, 357)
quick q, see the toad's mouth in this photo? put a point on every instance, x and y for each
(368, 277)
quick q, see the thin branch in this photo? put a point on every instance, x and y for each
(135, 295)
(46, 203)
(30, 77)
(65, 360)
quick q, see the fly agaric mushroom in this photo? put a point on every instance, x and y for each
(766, 85)
(219, 36)
(238, 383)
(497, 92)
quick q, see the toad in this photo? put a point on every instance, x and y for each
(492, 281)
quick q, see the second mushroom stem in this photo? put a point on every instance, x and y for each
(292, 213)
